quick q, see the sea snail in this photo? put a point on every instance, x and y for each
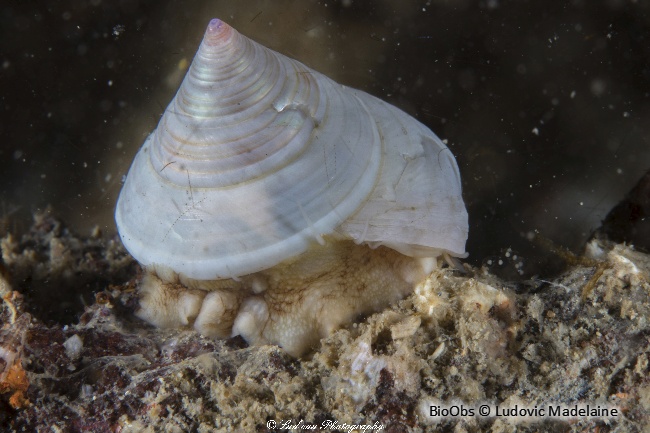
(273, 203)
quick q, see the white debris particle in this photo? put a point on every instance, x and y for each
(535, 131)
(73, 347)
(86, 391)
(118, 30)
(439, 351)
(573, 94)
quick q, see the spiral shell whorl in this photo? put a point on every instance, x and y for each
(226, 125)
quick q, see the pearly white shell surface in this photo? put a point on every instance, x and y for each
(258, 156)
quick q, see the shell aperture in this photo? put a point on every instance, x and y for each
(258, 157)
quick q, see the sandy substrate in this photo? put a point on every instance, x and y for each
(460, 340)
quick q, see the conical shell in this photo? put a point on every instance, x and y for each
(257, 156)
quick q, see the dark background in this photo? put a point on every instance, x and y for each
(546, 104)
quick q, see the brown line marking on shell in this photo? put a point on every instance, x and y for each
(167, 165)
(187, 209)
(327, 171)
(190, 184)
(439, 152)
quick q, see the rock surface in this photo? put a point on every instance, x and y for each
(583, 337)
